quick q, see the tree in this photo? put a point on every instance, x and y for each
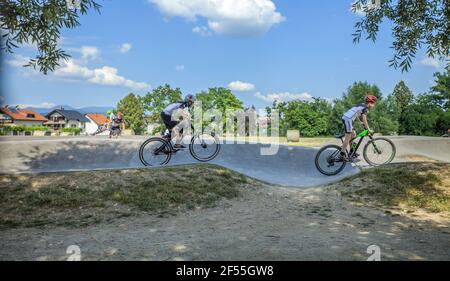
(222, 100)
(442, 89)
(402, 96)
(40, 23)
(415, 23)
(310, 118)
(133, 112)
(155, 101)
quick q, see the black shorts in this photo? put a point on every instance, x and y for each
(167, 119)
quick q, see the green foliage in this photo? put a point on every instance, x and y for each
(310, 118)
(39, 23)
(441, 90)
(5, 129)
(414, 23)
(220, 99)
(420, 118)
(155, 101)
(133, 113)
(402, 96)
(74, 131)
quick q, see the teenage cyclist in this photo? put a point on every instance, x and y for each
(177, 120)
(116, 124)
(360, 111)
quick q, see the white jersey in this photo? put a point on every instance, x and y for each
(173, 107)
(356, 111)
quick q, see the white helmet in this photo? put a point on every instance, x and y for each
(189, 98)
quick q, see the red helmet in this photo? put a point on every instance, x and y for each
(371, 99)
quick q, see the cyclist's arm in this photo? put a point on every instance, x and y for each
(364, 121)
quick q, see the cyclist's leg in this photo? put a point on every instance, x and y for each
(348, 126)
(179, 130)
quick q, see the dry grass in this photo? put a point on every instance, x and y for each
(83, 198)
(410, 187)
(417, 158)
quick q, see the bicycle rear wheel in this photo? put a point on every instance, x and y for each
(328, 160)
(204, 147)
(379, 151)
(155, 152)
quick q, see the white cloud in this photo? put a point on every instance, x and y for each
(240, 86)
(108, 76)
(179, 67)
(18, 61)
(70, 68)
(226, 17)
(428, 61)
(125, 48)
(73, 70)
(89, 52)
(284, 97)
(103, 76)
(202, 30)
(45, 105)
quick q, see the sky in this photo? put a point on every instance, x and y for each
(260, 49)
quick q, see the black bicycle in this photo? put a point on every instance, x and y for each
(377, 151)
(158, 151)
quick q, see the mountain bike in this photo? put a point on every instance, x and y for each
(158, 151)
(377, 151)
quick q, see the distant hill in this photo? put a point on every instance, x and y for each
(82, 110)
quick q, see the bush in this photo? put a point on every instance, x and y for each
(75, 131)
(5, 129)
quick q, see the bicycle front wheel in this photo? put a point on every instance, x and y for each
(379, 151)
(204, 147)
(328, 160)
(155, 152)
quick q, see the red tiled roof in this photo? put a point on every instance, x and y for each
(23, 114)
(99, 119)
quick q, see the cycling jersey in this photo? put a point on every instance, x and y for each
(116, 122)
(356, 111)
(173, 107)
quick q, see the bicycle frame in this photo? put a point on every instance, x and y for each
(361, 135)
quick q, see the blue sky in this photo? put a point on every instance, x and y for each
(270, 50)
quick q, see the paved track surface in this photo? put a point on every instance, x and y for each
(291, 166)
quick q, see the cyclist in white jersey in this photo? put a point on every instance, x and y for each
(176, 119)
(360, 111)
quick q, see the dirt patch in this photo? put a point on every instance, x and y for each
(417, 158)
(262, 223)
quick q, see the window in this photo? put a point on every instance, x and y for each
(73, 125)
(30, 115)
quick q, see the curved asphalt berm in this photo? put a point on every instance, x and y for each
(291, 166)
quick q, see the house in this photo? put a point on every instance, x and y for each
(21, 117)
(95, 122)
(59, 119)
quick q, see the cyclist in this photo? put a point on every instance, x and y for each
(116, 124)
(360, 111)
(177, 120)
